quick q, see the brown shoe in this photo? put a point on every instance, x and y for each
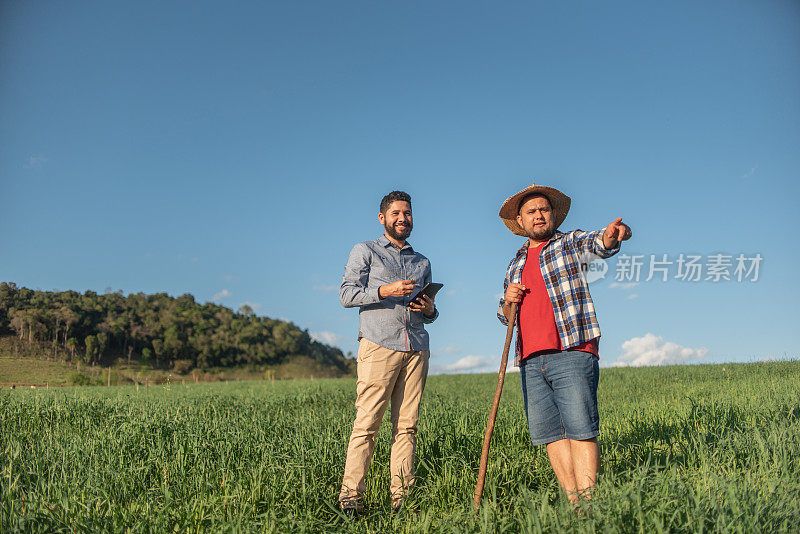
(397, 503)
(352, 508)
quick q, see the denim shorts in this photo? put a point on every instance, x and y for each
(560, 396)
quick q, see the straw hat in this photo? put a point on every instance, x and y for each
(510, 208)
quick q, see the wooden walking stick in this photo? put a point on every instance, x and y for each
(487, 439)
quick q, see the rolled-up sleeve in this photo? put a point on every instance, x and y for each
(354, 290)
(502, 318)
(507, 280)
(429, 320)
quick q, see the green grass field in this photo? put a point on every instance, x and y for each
(29, 371)
(41, 372)
(685, 449)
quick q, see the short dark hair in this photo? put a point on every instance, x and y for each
(529, 196)
(392, 197)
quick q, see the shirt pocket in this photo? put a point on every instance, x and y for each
(383, 271)
(417, 273)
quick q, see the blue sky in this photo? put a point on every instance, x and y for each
(237, 152)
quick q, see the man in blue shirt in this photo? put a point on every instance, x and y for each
(392, 364)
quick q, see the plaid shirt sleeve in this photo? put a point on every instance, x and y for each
(502, 318)
(591, 242)
(513, 274)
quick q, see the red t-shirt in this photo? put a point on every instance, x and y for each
(536, 318)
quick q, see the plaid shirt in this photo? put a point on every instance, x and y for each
(568, 291)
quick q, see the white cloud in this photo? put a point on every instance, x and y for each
(749, 173)
(221, 295)
(254, 305)
(467, 363)
(632, 296)
(449, 350)
(324, 336)
(653, 350)
(325, 289)
(475, 364)
(626, 285)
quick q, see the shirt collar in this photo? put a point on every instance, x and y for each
(524, 248)
(383, 240)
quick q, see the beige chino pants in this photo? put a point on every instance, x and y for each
(385, 375)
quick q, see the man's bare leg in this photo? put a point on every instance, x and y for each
(560, 455)
(585, 465)
(575, 463)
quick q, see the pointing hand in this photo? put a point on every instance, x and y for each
(615, 232)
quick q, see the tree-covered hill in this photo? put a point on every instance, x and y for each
(160, 330)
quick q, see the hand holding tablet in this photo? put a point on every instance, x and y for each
(422, 301)
(430, 290)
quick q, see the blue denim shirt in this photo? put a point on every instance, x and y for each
(389, 322)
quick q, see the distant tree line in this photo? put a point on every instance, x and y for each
(157, 329)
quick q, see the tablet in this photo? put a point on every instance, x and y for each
(430, 289)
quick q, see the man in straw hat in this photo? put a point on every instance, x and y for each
(392, 363)
(558, 334)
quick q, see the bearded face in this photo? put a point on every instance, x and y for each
(536, 218)
(397, 220)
